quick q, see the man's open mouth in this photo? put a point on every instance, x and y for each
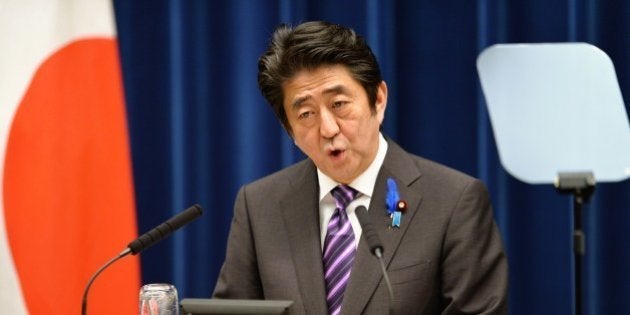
(336, 153)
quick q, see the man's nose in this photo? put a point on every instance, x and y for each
(328, 125)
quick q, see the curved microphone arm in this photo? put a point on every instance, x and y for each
(146, 240)
(390, 291)
(122, 254)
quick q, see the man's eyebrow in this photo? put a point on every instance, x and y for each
(337, 89)
(334, 90)
(298, 102)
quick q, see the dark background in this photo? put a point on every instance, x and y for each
(200, 129)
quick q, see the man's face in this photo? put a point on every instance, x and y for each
(331, 120)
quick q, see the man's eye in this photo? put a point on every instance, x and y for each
(305, 115)
(338, 104)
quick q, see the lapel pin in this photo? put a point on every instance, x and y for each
(401, 206)
(395, 206)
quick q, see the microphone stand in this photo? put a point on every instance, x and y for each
(148, 239)
(378, 253)
(122, 254)
(376, 248)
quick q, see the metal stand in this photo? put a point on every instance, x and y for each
(581, 185)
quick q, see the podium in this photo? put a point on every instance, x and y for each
(238, 307)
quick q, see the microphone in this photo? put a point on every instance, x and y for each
(376, 247)
(374, 242)
(147, 239)
(163, 230)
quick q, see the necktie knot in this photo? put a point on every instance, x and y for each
(343, 195)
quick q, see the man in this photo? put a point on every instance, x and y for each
(295, 236)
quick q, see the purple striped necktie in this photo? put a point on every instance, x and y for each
(339, 249)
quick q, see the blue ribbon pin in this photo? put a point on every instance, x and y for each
(394, 205)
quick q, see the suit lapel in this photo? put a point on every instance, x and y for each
(400, 167)
(301, 218)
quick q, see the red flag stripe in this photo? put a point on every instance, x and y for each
(68, 188)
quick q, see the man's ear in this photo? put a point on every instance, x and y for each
(381, 101)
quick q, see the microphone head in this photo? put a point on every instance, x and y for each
(369, 232)
(165, 229)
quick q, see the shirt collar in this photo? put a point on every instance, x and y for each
(365, 182)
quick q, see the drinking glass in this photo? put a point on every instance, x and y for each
(158, 299)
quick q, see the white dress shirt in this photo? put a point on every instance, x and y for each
(364, 184)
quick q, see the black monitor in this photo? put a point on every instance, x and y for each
(234, 307)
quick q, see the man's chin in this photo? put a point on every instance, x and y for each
(339, 174)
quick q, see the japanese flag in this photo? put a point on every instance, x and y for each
(66, 202)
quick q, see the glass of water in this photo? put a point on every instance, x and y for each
(158, 299)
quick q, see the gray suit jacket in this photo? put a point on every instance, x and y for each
(446, 258)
